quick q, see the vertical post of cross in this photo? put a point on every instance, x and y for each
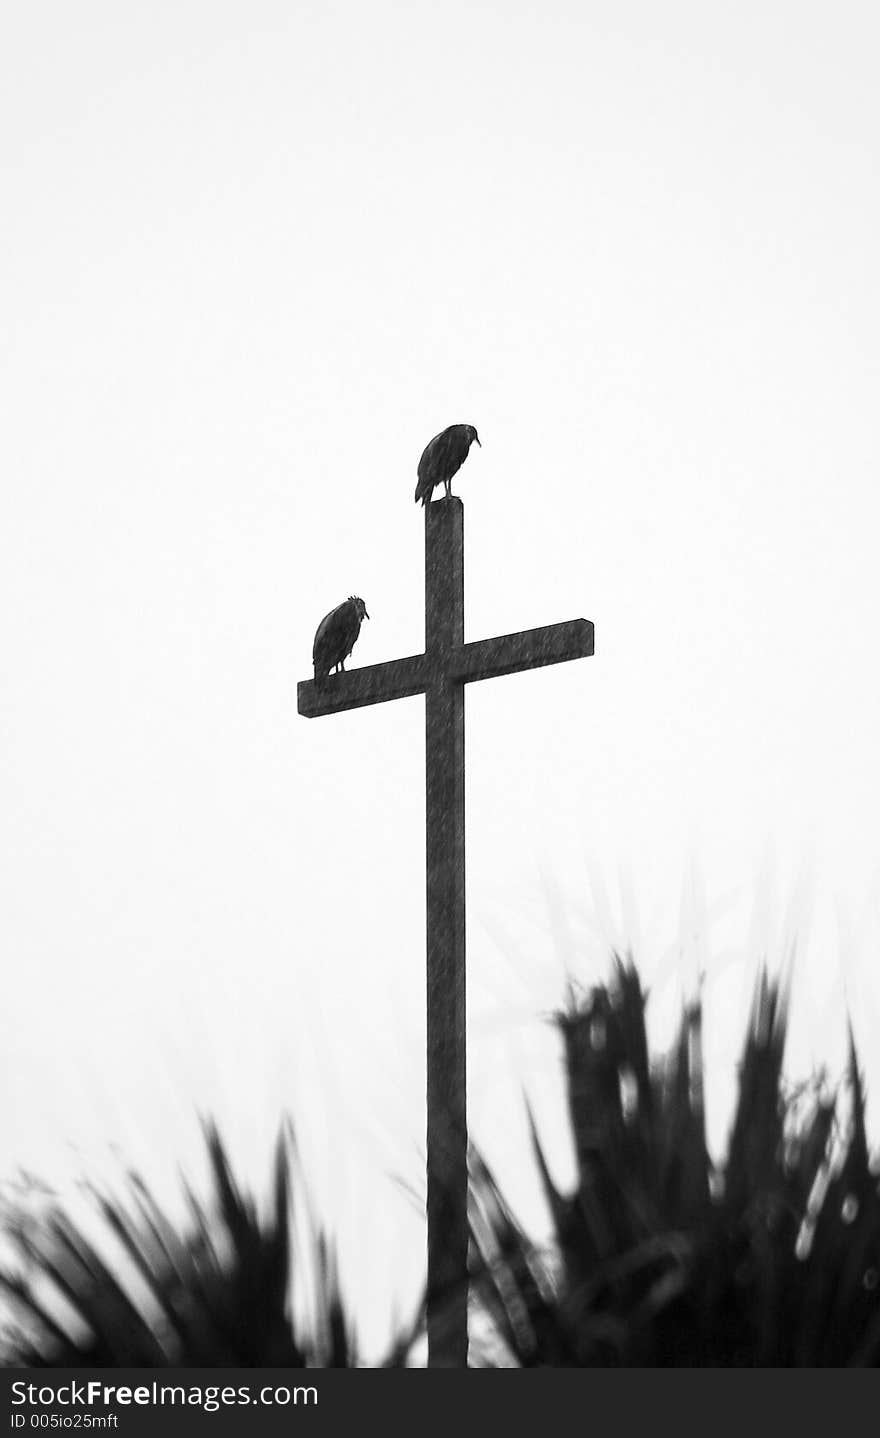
(446, 1053)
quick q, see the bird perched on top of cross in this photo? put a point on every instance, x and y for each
(443, 458)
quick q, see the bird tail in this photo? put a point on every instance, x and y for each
(321, 676)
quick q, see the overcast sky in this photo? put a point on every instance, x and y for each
(253, 256)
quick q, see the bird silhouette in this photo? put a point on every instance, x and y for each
(336, 635)
(443, 458)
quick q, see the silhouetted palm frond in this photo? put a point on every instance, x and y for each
(660, 1258)
(216, 1294)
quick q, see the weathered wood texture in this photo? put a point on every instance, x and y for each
(440, 673)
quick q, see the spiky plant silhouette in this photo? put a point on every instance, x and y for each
(661, 1258)
(658, 1256)
(217, 1294)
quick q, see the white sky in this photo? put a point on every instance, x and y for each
(252, 257)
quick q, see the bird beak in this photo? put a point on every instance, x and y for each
(478, 442)
(366, 615)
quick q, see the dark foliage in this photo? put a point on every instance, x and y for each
(216, 1295)
(659, 1258)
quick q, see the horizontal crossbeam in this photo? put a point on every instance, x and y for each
(483, 659)
(374, 684)
(529, 649)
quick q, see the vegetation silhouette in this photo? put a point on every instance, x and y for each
(659, 1257)
(217, 1294)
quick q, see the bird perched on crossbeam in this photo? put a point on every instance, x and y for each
(443, 458)
(336, 635)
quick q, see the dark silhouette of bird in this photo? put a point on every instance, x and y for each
(443, 458)
(336, 635)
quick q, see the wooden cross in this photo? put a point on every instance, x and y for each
(441, 673)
